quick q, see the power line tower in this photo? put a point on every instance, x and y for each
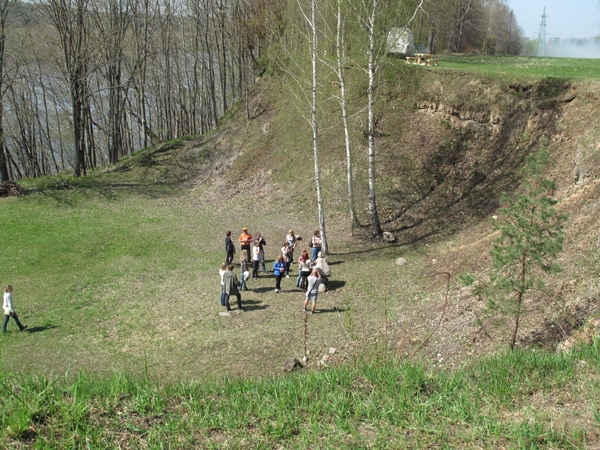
(541, 40)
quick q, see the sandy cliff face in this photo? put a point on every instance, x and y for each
(450, 158)
(462, 146)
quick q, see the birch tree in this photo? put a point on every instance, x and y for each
(369, 14)
(372, 68)
(340, 52)
(312, 22)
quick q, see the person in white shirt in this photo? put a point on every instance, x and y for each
(222, 271)
(255, 259)
(9, 310)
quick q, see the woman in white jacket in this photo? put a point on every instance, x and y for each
(9, 310)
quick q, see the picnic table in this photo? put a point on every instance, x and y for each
(423, 56)
(419, 57)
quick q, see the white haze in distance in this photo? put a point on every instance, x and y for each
(573, 48)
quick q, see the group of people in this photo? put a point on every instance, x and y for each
(311, 270)
(9, 310)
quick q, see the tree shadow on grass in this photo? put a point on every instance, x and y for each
(260, 290)
(254, 307)
(335, 263)
(40, 329)
(329, 310)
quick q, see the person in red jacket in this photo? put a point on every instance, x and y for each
(245, 241)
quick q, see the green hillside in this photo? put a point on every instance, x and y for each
(116, 275)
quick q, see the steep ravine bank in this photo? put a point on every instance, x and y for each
(461, 146)
(472, 138)
(449, 145)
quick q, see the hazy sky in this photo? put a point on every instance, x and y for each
(564, 18)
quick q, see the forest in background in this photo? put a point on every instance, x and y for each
(85, 82)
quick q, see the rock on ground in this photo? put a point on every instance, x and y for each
(389, 237)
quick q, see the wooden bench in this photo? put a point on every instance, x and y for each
(432, 60)
(410, 59)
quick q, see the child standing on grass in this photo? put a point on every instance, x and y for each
(286, 252)
(312, 291)
(278, 270)
(229, 248)
(222, 271)
(9, 310)
(255, 260)
(261, 243)
(291, 240)
(244, 268)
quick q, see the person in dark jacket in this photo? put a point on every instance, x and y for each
(230, 287)
(261, 243)
(229, 248)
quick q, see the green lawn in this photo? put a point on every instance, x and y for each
(128, 281)
(116, 274)
(526, 68)
(515, 400)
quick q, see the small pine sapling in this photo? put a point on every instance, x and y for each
(531, 237)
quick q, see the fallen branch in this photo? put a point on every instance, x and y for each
(10, 188)
(481, 326)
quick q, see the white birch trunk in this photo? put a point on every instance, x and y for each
(315, 129)
(341, 59)
(376, 227)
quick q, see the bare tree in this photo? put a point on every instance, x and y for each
(369, 14)
(503, 36)
(4, 173)
(372, 69)
(113, 19)
(70, 19)
(104, 76)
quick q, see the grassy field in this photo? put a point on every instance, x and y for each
(119, 272)
(514, 400)
(524, 68)
(116, 274)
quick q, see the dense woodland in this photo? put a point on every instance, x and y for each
(85, 82)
